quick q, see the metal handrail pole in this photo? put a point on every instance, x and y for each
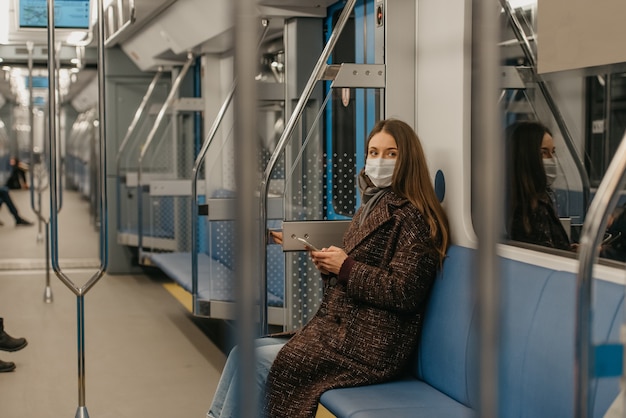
(54, 192)
(52, 123)
(37, 208)
(168, 102)
(603, 204)
(316, 75)
(57, 57)
(194, 190)
(245, 208)
(548, 97)
(104, 213)
(31, 122)
(129, 132)
(486, 134)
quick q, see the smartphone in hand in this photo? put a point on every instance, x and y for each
(306, 243)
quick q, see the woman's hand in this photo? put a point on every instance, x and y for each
(329, 260)
(276, 237)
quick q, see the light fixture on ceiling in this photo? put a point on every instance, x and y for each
(4, 22)
(524, 4)
(76, 37)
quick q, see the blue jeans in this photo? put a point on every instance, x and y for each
(225, 403)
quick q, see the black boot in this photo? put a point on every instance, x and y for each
(22, 222)
(6, 366)
(8, 343)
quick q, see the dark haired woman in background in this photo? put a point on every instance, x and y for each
(532, 167)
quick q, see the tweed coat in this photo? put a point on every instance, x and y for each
(366, 331)
(546, 229)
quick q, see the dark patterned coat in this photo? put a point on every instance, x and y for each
(546, 228)
(365, 332)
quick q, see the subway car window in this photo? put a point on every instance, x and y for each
(560, 131)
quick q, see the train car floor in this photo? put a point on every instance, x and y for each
(23, 247)
(145, 354)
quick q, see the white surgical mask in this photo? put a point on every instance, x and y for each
(380, 171)
(550, 165)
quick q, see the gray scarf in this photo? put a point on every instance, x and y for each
(370, 195)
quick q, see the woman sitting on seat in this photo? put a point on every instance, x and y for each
(375, 288)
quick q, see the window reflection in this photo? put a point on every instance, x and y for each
(584, 113)
(532, 169)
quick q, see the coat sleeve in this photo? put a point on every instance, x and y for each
(401, 278)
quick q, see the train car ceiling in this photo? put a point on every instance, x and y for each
(151, 34)
(208, 28)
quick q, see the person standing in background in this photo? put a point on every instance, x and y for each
(17, 178)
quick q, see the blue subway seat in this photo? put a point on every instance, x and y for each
(536, 355)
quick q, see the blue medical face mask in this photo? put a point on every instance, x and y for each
(550, 166)
(380, 171)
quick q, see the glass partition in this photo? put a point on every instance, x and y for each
(127, 170)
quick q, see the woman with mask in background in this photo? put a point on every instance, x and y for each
(532, 168)
(375, 288)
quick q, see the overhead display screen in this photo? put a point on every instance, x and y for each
(38, 82)
(68, 14)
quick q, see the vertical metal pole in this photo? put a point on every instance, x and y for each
(601, 207)
(246, 204)
(31, 122)
(487, 187)
(608, 120)
(80, 315)
(104, 213)
(47, 296)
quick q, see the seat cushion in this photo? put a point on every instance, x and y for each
(407, 398)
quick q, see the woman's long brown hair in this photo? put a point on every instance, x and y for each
(527, 176)
(411, 179)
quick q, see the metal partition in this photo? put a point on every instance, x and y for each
(166, 137)
(213, 249)
(131, 132)
(487, 187)
(127, 167)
